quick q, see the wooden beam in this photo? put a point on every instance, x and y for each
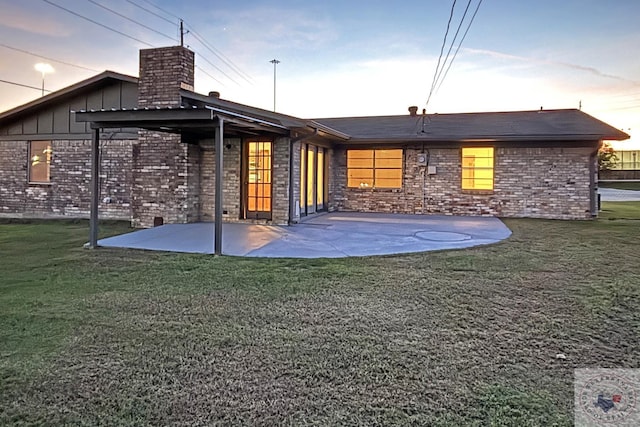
(219, 137)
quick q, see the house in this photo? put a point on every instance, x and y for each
(626, 167)
(161, 153)
(44, 152)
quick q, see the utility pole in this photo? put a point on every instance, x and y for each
(274, 62)
(181, 33)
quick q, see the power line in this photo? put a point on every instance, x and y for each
(220, 55)
(138, 40)
(225, 60)
(97, 23)
(461, 41)
(453, 41)
(202, 41)
(207, 74)
(164, 10)
(444, 42)
(625, 108)
(48, 58)
(131, 20)
(21, 85)
(150, 11)
(218, 68)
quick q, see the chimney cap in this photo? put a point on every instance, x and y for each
(413, 110)
(214, 94)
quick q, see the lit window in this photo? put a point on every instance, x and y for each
(477, 168)
(374, 168)
(40, 161)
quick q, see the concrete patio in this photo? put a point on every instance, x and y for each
(617, 195)
(332, 235)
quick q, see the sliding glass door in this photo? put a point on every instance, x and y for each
(312, 179)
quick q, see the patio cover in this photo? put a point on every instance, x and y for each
(199, 122)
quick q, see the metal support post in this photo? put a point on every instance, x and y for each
(219, 137)
(95, 188)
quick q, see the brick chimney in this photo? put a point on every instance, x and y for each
(413, 110)
(165, 169)
(163, 72)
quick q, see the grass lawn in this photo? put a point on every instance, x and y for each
(620, 210)
(620, 185)
(466, 337)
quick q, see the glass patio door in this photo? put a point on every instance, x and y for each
(312, 179)
(258, 180)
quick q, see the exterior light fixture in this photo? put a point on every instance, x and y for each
(44, 68)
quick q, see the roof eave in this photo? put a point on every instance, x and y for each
(291, 122)
(484, 139)
(176, 120)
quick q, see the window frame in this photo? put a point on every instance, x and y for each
(32, 152)
(374, 168)
(474, 168)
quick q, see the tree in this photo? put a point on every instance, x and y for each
(607, 157)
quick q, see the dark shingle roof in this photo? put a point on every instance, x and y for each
(506, 126)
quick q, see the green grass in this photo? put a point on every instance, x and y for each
(468, 337)
(620, 210)
(620, 185)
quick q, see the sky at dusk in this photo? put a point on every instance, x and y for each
(347, 58)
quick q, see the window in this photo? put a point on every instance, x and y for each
(374, 168)
(40, 161)
(627, 160)
(477, 168)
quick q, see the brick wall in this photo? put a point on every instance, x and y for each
(162, 72)
(333, 185)
(193, 167)
(230, 185)
(296, 179)
(207, 180)
(68, 194)
(529, 182)
(162, 169)
(280, 181)
(166, 172)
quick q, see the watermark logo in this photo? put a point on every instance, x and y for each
(607, 397)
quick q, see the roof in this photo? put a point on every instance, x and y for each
(539, 125)
(68, 92)
(290, 122)
(201, 121)
(550, 125)
(199, 114)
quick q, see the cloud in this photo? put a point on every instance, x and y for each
(19, 19)
(591, 70)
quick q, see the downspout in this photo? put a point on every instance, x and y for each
(292, 207)
(593, 184)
